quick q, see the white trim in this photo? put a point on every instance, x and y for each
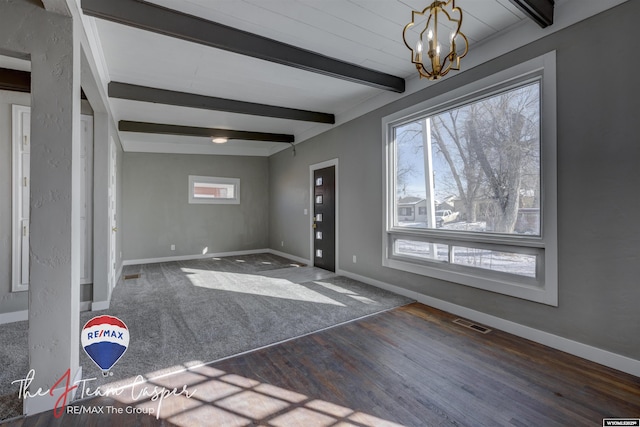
(19, 114)
(93, 39)
(100, 305)
(289, 256)
(545, 289)
(216, 255)
(14, 316)
(112, 209)
(328, 163)
(104, 305)
(190, 257)
(37, 404)
(85, 305)
(118, 275)
(594, 354)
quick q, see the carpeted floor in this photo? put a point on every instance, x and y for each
(190, 312)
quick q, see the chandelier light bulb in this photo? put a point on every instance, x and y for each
(443, 54)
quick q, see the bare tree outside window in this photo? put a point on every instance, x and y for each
(477, 166)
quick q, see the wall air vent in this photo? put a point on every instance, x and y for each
(471, 325)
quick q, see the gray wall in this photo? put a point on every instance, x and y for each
(157, 212)
(598, 172)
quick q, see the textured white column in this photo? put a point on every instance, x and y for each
(54, 290)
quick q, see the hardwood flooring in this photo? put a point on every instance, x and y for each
(410, 366)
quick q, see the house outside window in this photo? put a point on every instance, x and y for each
(479, 165)
(214, 190)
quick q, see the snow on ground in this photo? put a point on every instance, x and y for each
(507, 262)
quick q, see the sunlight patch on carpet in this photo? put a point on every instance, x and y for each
(257, 285)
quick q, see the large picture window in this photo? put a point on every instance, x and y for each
(465, 199)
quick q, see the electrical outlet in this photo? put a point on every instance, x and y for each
(282, 243)
(354, 259)
(173, 247)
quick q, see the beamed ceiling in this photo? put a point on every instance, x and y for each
(264, 73)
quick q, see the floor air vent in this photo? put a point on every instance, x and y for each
(131, 276)
(471, 325)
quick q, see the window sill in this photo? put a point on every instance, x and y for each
(547, 294)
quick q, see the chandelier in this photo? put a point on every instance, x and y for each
(428, 52)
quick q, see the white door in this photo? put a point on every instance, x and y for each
(112, 215)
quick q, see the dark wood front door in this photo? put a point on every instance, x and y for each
(324, 218)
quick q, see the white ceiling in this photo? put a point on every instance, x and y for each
(363, 32)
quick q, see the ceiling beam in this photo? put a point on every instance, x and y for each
(182, 99)
(541, 11)
(14, 80)
(20, 81)
(58, 6)
(157, 128)
(151, 17)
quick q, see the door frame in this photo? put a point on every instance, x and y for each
(20, 145)
(20, 139)
(112, 212)
(312, 169)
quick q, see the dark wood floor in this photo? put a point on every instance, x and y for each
(408, 367)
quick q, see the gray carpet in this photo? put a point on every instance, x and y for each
(191, 312)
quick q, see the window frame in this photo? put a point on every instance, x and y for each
(214, 180)
(542, 289)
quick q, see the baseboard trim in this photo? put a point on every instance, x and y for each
(594, 354)
(100, 305)
(14, 316)
(289, 256)
(37, 404)
(191, 257)
(19, 316)
(119, 273)
(216, 255)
